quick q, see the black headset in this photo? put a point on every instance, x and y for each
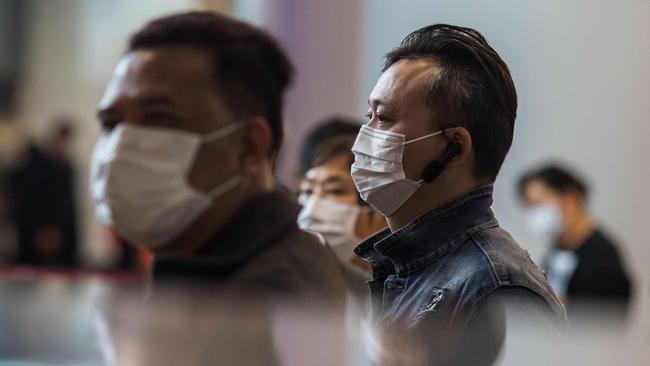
(433, 170)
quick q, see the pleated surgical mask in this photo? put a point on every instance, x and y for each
(335, 220)
(544, 222)
(377, 170)
(139, 181)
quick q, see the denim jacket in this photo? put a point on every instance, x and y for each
(444, 264)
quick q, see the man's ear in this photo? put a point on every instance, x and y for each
(461, 136)
(258, 139)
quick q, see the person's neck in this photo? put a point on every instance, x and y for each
(429, 197)
(577, 233)
(193, 239)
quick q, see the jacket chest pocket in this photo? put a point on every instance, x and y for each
(394, 288)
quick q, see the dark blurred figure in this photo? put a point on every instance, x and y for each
(42, 201)
(8, 245)
(584, 264)
(331, 204)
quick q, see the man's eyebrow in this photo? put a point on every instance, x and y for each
(333, 179)
(145, 101)
(330, 179)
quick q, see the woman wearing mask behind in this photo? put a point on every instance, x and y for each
(331, 205)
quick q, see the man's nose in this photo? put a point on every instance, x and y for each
(319, 192)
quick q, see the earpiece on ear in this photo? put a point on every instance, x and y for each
(433, 170)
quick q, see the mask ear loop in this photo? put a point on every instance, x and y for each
(225, 186)
(424, 137)
(221, 132)
(214, 136)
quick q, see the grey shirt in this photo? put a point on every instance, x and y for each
(262, 252)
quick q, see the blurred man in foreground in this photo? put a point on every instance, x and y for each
(331, 204)
(445, 275)
(583, 266)
(192, 123)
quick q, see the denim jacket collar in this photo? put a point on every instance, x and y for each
(428, 237)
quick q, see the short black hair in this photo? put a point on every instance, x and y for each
(248, 63)
(471, 87)
(331, 137)
(557, 178)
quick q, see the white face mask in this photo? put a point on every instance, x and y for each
(561, 266)
(139, 181)
(377, 171)
(336, 221)
(544, 221)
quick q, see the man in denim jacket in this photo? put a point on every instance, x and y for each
(445, 275)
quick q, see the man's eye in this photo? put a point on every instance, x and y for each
(154, 117)
(383, 119)
(158, 119)
(335, 191)
(108, 124)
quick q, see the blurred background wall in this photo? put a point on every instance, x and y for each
(580, 67)
(324, 40)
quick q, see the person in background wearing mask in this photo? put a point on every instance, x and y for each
(583, 266)
(331, 205)
(441, 122)
(192, 123)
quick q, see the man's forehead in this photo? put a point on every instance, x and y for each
(403, 79)
(322, 173)
(186, 63)
(165, 71)
(539, 189)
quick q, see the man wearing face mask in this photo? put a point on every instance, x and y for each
(583, 266)
(331, 205)
(192, 122)
(445, 274)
